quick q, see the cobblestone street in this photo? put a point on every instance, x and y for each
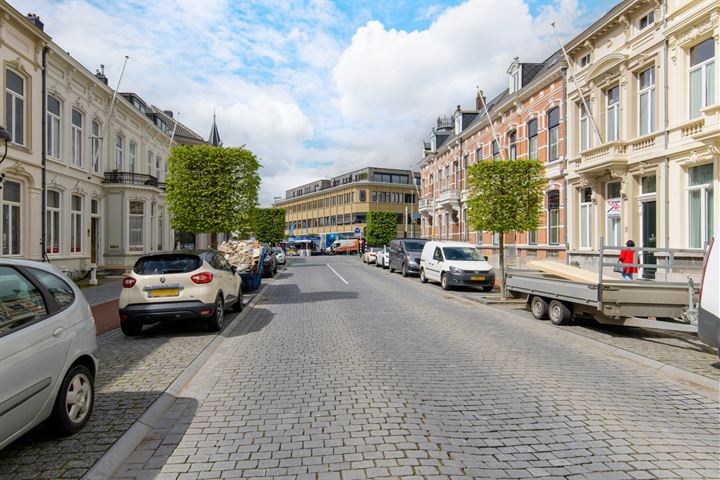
(383, 377)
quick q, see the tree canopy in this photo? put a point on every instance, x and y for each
(269, 224)
(381, 228)
(212, 189)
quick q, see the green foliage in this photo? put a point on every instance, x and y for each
(505, 195)
(381, 228)
(269, 224)
(212, 189)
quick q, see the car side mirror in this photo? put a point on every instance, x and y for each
(485, 257)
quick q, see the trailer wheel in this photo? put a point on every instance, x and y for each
(538, 307)
(559, 313)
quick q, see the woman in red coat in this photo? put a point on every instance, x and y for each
(628, 256)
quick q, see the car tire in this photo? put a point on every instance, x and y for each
(559, 313)
(392, 270)
(444, 282)
(215, 324)
(423, 278)
(238, 305)
(74, 402)
(131, 328)
(403, 270)
(487, 288)
(538, 307)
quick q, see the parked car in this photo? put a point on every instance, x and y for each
(370, 255)
(405, 255)
(709, 311)
(456, 264)
(269, 264)
(383, 258)
(280, 258)
(171, 286)
(48, 351)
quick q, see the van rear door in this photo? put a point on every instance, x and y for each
(709, 312)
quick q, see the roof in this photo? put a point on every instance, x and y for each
(214, 139)
(181, 130)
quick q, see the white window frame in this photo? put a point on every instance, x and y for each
(650, 20)
(512, 145)
(612, 224)
(53, 140)
(553, 222)
(95, 145)
(585, 60)
(136, 227)
(646, 95)
(704, 191)
(150, 162)
(458, 124)
(132, 156)
(11, 213)
(53, 230)
(76, 138)
(12, 98)
(707, 94)
(585, 223)
(612, 112)
(119, 152)
(533, 141)
(553, 138)
(585, 133)
(76, 225)
(532, 237)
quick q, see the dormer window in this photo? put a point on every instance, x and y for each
(585, 60)
(515, 72)
(515, 82)
(458, 124)
(646, 20)
(433, 143)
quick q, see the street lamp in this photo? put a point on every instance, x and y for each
(6, 137)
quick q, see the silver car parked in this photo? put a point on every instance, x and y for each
(47, 351)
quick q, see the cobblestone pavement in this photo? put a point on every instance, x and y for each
(133, 373)
(386, 378)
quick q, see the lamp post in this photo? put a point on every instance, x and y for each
(5, 137)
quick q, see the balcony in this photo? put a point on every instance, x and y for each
(449, 200)
(425, 206)
(607, 155)
(130, 178)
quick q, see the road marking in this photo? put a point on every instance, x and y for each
(345, 281)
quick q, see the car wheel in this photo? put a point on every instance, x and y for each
(74, 402)
(131, 328)
(538, 307)
(423, 278)
(487, 288)
(404, 270)
(559, 313)
(215, 324)
(444, 282)
(392, 270)
(238, 305)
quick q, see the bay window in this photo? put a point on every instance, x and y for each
(11, 218)
(52, 140)
(612, 114)
(702, 76)
(77, 138)
(15, 106)
(553, 134)
(75, 224)
(585, 218)
(646, 97)
(136, 226)
(532, 127)
(700, 203)
(52, 222)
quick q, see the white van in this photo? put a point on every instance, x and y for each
(456, 264)
(709, 312)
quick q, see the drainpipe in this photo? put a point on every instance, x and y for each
(564, 170)
(666, 126)
(43, 120)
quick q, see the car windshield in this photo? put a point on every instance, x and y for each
(414, 246)
(469, 254)
(277, 250)
(163, 264)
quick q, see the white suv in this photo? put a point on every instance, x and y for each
(172, 286)
(48, 350)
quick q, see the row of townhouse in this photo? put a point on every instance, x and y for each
(99, 165)
(628, 129)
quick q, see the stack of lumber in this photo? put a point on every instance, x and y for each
(245, 255)
(566, 271)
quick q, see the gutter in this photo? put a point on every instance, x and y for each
(666, 127)
(565, 159)
(43, 194)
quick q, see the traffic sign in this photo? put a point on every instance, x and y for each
(357, 230)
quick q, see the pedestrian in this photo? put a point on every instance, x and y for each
(628, 256)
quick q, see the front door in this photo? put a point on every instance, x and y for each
(649, 237)
(93, 239)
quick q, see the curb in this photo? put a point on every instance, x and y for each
(112, 459)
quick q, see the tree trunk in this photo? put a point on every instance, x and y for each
(502, 267)
(213, 240)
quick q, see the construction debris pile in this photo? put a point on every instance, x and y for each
(245, 255)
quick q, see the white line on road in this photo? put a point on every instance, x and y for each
(340, 277)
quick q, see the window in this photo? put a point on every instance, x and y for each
(437, 255)
(363, 195)
(585, 60)
(532, 127)
(585, 217)
(458, 124)
(495, 238)
(132, 156)
(700, 201)
(152, 225)
(553, 205)
(136, 223)
(512, 145)
(95, 145)
(495, 150)
(646, 97)
(20, 304)
(532, 237)
(150, 162)
(11, 218)
(158, 162)
(515, 81)
(52, 222)
(612, 114)
(585, 139)
(75, 224)
(52, 142)
(478, 153)
(613, 212)
(646, 20)
(553, 134)
(59, 288)
(648, 185)
(94, 208)
(119, 152)
(77, 137)
(702, 76)
(447, 177)
(15, 106)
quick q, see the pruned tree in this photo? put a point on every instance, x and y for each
(381, 228)
(269, 224)
(212, 189)
(505, 196)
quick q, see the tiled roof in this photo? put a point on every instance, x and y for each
(181, 130)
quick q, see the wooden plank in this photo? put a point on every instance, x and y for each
(567, 271)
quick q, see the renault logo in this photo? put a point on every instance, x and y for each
(162, 279)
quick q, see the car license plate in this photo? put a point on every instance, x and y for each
(164, 292)
(477, 277)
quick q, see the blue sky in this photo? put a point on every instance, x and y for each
(315, 87)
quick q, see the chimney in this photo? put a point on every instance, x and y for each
(169, 113)
(100, 74)
(35, 20)
(480, 101)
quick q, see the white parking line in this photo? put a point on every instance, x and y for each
(340, 277)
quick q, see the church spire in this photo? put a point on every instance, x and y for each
(214, 139)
